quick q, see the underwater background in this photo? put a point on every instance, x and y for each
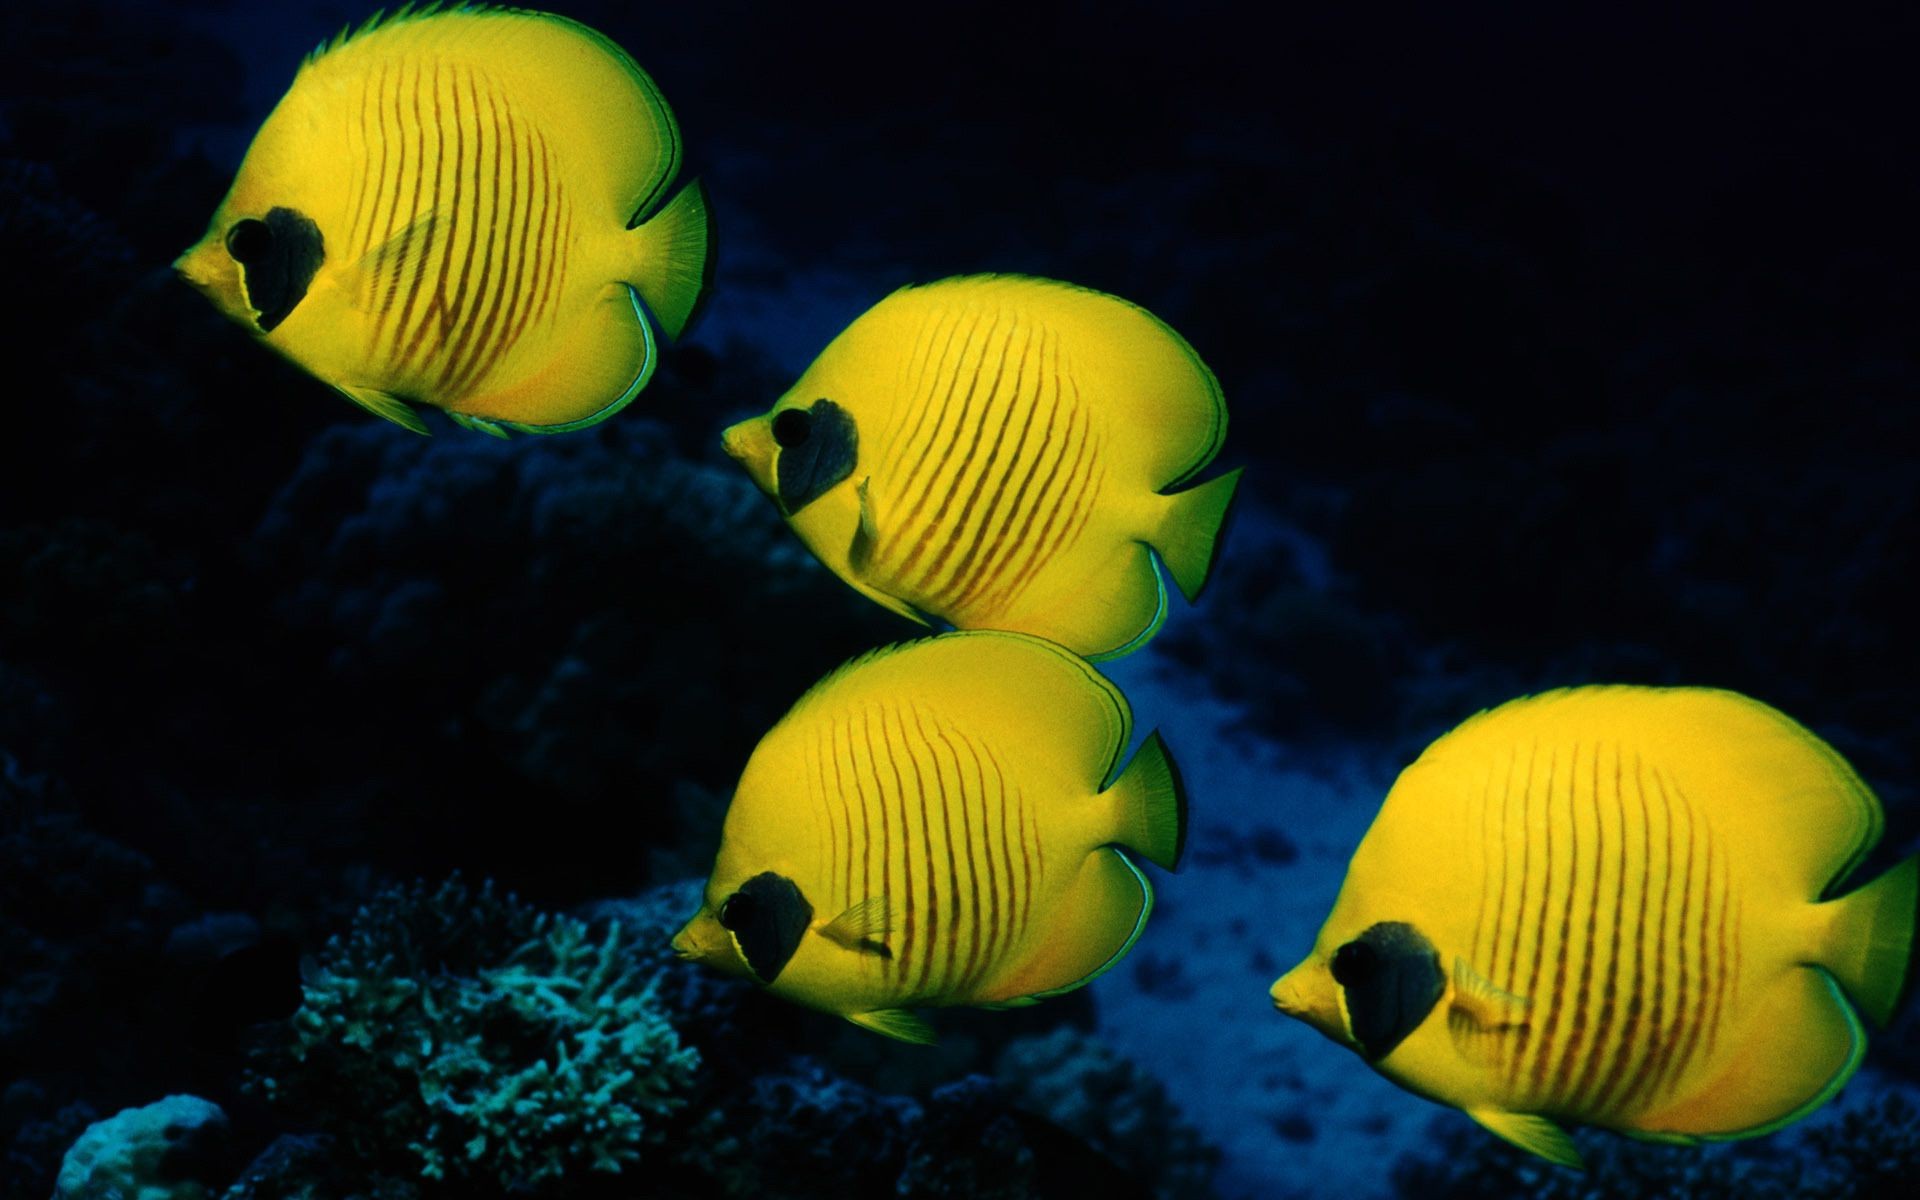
(1560, 347)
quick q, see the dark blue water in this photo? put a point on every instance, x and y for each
(1560, 347)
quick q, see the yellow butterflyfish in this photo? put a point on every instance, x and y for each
(1618, 906)
(997, 452)
(462, 208)
(931, 825)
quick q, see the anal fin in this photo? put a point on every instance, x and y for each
(1534, 1134)
(1099, 920)
(380, 404)
(896, 1023)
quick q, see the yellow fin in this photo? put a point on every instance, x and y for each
(1534, 1134)
(1189, 536)
(1094, 925)
(1871, 949)
(862, 927)
(1485, 1006)
(597, 372)
(896, 1023)
(382, 405)
(674, 260)
(1151, 805)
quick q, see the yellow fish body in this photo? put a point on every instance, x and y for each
(993, 451)
(927, 826)
(1608, 905)
(442, 210)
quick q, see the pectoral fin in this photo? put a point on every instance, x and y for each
(1484, 1006)
(863, 927)
(381, 404)
(866, 536)
(1531, 1133)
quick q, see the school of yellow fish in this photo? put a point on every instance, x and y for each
(1615, 906)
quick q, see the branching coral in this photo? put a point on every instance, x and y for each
(467, 1037)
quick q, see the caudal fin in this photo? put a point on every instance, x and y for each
(1189, 535)
(1870, 950)
(1152, 805)
(675, 266)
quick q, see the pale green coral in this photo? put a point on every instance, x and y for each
(468, 1038)
(142, 1153)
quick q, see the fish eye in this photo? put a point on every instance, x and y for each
(1355, 963)
(735, 911)
(791, 427)
(249, 240)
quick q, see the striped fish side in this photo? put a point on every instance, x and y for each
(998, 472)
(464, 221)
(924, 817)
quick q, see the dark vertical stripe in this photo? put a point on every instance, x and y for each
(829, 800)
(461, 354)
(549, 250)
(1685, 983)
(1694, 941)
(1550, 1040)
(469, 214)
(1523, 798)
(1025, 896)
(1627, 1046)
(1723, 983)
(356, 246)
(495, 298)
(1486, 845)
(1077, 420)
(959, 918)
(1086, 465)
(845, 725)
(924, 801)
(1000, 551)
(1006, 858)
(951, 372)
(1530, 1037)
(1603, 1030)
(380, 176)
(1504, 844)
(996, 936)
(1577, 1036)
(938, 592)
(513, 307)
(967, 416)
(903, 957)
(406, 170)
(968, 798)
(925, 403)
(886, 824)
(438, 318)
(408, 327)
(1659, 1036)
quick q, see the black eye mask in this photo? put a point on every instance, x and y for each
(768, 916)
(279, 257)
(1392, 978)
(818, 448)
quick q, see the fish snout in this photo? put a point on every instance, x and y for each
(1307, 993)
(750, 443)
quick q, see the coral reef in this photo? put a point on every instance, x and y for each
(465, 1037)
(1082, 1085)
(162, 1151)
